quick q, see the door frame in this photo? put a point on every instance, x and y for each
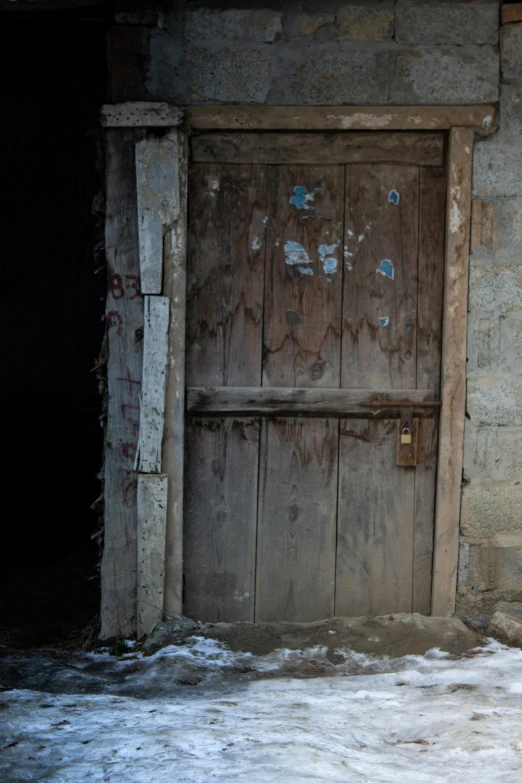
(132, 121)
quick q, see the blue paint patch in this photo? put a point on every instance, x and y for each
(327, 250)
(329, 265)
(301, 198)
(394, 197)
(386, 268)
(384, 321)
(295, 254)
(305, 270)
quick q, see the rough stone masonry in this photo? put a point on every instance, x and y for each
(389, 53)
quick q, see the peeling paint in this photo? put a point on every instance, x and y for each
(328, 261)
(454, 218)
(214, 185)
(349, 233)
(256, 244)
(302, 197)
(384, 320)
(265, 220)
(295, 254)
(394, 196)
(305, 270)
(360, 238)
(365, 120)
(386, 269)
(348, 265)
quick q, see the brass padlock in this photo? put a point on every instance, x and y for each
(406, 435)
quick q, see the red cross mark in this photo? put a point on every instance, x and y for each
(130, 380)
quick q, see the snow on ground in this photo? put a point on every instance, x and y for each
(429, 719)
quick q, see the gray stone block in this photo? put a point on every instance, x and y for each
(492, 455)
(511, 52)
(233, 24)
(491, 508)
(496, 168)
(495, 401)
(363, 23)
(446, 22)
(510, 110)
(328, 75)
(446, 74)
(303, 25)
(507, 630)
(230, 75)
(495, 289)
(495, 344)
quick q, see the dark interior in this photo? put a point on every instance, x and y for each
(54, 74)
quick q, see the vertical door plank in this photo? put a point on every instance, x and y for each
(152, 405)
(152, 518)
(380, 282)
(124, 324)
(303, 289)
(221, 509)
(425, 475)
(432, 214)
(297, 512)
(375, 524)
(226, 252)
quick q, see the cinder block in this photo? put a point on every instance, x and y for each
(446, 74)
(495, 288)
(358, 23)
(511, 52)
(490, 509)
(493, 454)
(495, 344)
(446, 22)
(484, 225)
(230, 75)
(510, 110)
(233, 24)
(303, 25)
(336, 76)
(495, 400)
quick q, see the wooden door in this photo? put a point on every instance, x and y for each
(314, 306)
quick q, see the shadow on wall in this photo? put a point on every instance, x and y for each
(52, 303)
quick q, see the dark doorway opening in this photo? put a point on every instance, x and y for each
(54, 72)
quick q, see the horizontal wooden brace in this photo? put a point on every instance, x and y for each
(423, 149)
(140, 114)
(301, 118)
(240, 400)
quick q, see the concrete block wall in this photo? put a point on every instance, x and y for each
(490, 574)
(396, 52)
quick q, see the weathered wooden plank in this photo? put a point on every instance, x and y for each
(152, 520)
(152, 405)
(297, 520)
(221, 511)
(157, 203)
(426, 149)
(302, 118)
(174, 287)
(453, 393)
(432, 217)
(375, 524)
(140, 114)
(425, 475)
(303, 279)
(230, 399)
(225, 274)
(380, 281)
(124, 323)
(511, 13)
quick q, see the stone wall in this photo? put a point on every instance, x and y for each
(491, 520)
(402, 52)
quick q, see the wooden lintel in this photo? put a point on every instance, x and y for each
(140, 114)
(152, 516)
(288, 401)
(303, 118)
(511, 13)
(453, 385)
